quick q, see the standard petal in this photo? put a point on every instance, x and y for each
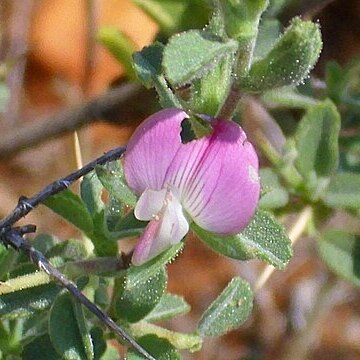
(152, 149)
(224, 191)
(166, 229)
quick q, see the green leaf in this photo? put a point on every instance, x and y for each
(135, 300)
(269, 32)
(27, 302)
(342, 83)
(229, 310)
(275, 7)
(209, 92)
(174, 16)
(72, 208)
(64, 330)
(180, 341)
(242, 17)
(8, 257)
(288, 97)
(317, 144)
(343, 191)
(84, 331)
(40, 349)
(129, 226)
(340, 250)
(120, 46)
(68, 250)
(264, 238)
(147, 64)
(192, 54)
(44, 242)
(111, 353)
(103, 241)
(168, 307)
(350, 153)
(112, 178)
(289, 61)
(34, 326)
(91, 191)
(160, 349)
(152, 267)
(98, 342)
(275, 195)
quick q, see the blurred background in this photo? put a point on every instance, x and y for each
(56, 78)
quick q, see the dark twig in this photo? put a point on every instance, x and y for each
(25, 205)
(129, 98)
(19, 29)
(14, 237)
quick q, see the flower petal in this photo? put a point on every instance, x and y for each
(225, 190)
(217, 179)
(152, 148)
(166, 229)
(149, 204)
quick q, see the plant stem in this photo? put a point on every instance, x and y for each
(24, 282)
(294, 234)
(231, 103)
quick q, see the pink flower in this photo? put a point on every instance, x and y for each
(212, 181)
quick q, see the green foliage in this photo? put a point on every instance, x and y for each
(274, 194)
(289, 61)
(180, 341)
(112, 178)
(229, 310)
(147, 64)
(343, 191)
(161, 349)
(69, 206)
(27, 302)
(264, 238)
(41, 348)
(68, 250)
(208, 92)
(67, 330)
(168, 307)
(340, 250)
(317, 145)
(120, 46)
(242, 17)
(176, 15)
(135, 299)
(190, 55)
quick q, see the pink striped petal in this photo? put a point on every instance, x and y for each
(152, 148)
(234, 198)
(217, 179)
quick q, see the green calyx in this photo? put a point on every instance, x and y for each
(290, 60)
(242, 17)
